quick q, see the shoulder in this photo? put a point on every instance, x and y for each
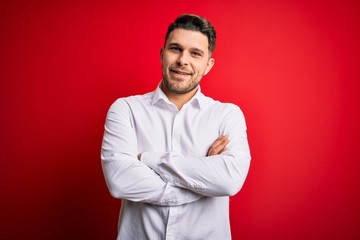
(227, 113)
(122, 109)
(132, 101)
(220, 107)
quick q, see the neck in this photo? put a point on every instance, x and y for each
(178, 99)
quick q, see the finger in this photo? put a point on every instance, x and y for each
(221, 147)
(216, 150)
(218, 146)
(223, 150)
(219, 141)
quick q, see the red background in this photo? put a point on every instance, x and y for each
(292, 66)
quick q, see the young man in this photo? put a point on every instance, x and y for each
(174, 156)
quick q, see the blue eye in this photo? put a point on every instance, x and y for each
(175, 49)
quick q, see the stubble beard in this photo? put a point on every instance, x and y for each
(179, 90)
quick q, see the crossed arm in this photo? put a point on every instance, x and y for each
(218, 147)
(157, 181)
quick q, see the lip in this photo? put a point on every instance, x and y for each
(176, 71)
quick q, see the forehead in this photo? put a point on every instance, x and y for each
(188, 39)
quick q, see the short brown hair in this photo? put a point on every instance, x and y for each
(195, 23)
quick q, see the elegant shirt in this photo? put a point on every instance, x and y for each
(175, 191)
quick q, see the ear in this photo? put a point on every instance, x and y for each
(209, 66)
(161, 53)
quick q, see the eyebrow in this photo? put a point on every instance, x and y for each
(193, 49)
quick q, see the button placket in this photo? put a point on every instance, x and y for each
(176, 133)
(171, 228)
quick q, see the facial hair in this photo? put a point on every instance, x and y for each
(172, 88)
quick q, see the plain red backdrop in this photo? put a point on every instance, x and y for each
(292, 66)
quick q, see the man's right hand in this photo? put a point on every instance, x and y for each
(218, 146)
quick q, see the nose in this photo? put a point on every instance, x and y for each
(183, 59)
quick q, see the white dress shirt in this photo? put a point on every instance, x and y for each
(175, 191)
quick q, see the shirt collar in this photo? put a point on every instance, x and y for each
(198, 99)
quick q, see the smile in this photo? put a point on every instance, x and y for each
(180, 72)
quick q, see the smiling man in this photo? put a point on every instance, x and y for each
(174, 156)
(185, 60)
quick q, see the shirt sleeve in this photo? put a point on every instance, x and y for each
(127, 177)
(218, 175)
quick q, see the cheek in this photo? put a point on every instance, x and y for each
(165, 65)
(169, 58)
(201, 68)
(164, 61)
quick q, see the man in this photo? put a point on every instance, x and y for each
(174, 156)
